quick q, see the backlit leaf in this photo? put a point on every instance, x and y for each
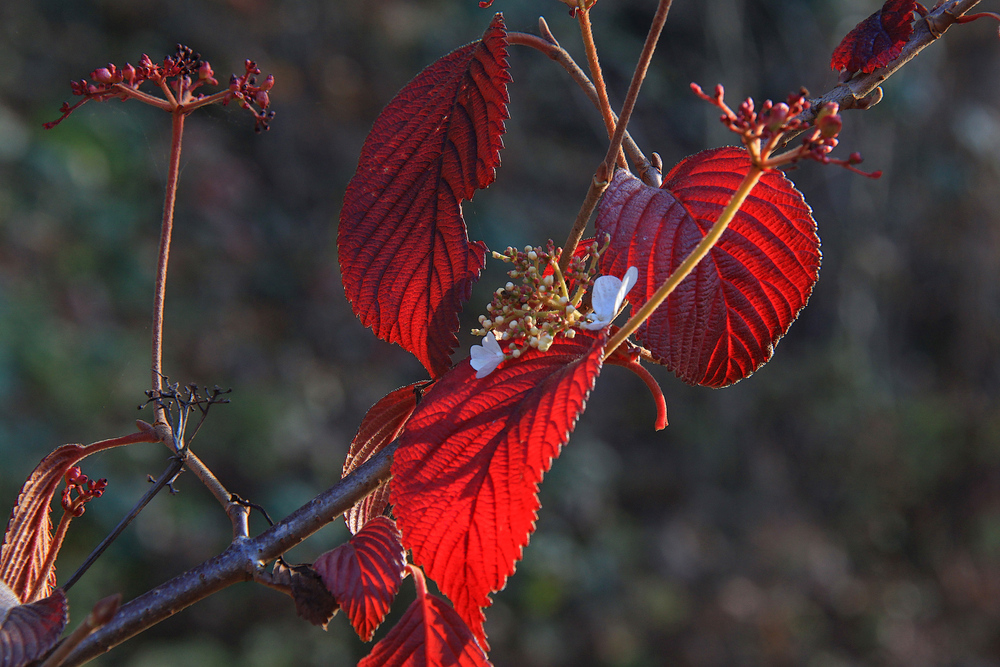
(430, 634)
(405, 256)
(28, 538)
(28, 631)
(469, 462)
(877, 40)
(380, 427)
(723, 321)
(364, 574)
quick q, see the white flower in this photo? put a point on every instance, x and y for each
(486, 357)
(609, 293)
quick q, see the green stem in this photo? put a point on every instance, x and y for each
(691, 261)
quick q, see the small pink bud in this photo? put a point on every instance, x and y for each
(268, 82)
(776, 116)
(262, 99)
(234, 83)
(128, 73)
(205, 71)
(102, 75)
(829, 125)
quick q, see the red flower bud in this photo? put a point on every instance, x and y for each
(262, 99)
(829, 125)
(776, 116)
(102, 75)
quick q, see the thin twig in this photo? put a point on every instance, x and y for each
(551, 48)
(638, 76)
(610, 122)
(240, 562)
(604, 171)
(166, 230)
(166, 476)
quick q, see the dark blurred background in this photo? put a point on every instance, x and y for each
(841, 507)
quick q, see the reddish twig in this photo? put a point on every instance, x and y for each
(603, 175)
(548, 45)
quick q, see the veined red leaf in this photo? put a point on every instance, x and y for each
(877, 40)
(28, 539)
(405, 256)
(364, 574)
(469, 462)
(723, 321)
(28, 631)
(380, 427)
(430, 634)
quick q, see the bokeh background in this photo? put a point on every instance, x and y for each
(841, 507)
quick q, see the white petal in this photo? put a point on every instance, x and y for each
(608, 296)
(486, 357)
(631, 278)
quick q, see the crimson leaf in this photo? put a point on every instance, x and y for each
(405, 256)
(364, 574)
(877, 40)
(723, 321)
(466, 474)
(381, 425)
(28, 631)
(430, 634)
(28, 539)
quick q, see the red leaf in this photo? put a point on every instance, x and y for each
(466, 474)
(28, 538)
(723, 321)
(405, 255)
(380, 427)
(430, 634)
(364, 574)
(877, 40)
(28, 631)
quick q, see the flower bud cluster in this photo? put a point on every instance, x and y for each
(86, 490)
(762, 131)
(772, 121)
(178, 77)
(544, 303)
(251, 95)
